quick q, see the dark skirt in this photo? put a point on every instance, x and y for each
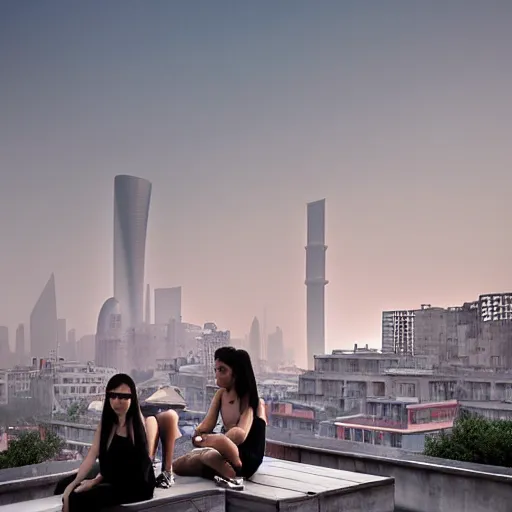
(251, 452)
(103, 495)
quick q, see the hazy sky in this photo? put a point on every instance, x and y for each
(397, 112)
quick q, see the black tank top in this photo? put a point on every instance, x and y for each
(124, 466)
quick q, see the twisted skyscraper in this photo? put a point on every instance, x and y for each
(131, 210)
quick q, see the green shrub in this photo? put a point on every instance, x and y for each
(29, 448)
(474, 439)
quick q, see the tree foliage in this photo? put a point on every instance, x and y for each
(76, 409)
(475, 439)
(29, 448)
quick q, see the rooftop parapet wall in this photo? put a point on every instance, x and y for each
(422, 484)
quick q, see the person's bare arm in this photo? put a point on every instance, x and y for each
(210, 420)
(239, 433)
(89, 461)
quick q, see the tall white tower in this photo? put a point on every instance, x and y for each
(315, 280)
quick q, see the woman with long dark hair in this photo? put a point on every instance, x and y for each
(125, 444)
(238, 451)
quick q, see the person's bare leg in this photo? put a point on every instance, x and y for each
(215, 460)
(225, 446)
(169, 432)
(152, 435)
(193, 463)
(189, 464)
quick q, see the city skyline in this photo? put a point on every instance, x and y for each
(239, 116)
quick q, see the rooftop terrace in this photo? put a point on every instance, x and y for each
(278, 485)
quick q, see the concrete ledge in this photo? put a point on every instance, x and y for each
(363, 450)
(34, 470)
(24, 489)
(420, 486)
(187, 494)
(278, 485)
(49, 504)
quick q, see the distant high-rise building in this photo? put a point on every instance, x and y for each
(495, 307)
(131, 210)
(71, 347)
(5, 350)
(86, 348)
(275, 348)
(43, 323)
(62, 337)
(290, 355)
(167, 305)
(148, 305)
(398, 332)
(181, 338)
(210, 340)
(255, 343)
(315, 280)
(110, 342)
(20, 344)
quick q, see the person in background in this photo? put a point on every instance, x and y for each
(125, 444)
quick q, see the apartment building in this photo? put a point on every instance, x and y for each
(295, 416)
(398, 332)
(345, 381)
(398, 423)
(476, 334)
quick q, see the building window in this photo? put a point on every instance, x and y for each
(396, 440)
(379, 388)
(407, 390)
(353, 366)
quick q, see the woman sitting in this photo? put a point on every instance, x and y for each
(125, 444)
(239, 450)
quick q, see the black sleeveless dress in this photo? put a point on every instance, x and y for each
(128, 477)
(128, 470)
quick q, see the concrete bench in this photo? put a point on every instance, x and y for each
(278, 485)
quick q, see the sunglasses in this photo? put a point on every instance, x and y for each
(120, 396)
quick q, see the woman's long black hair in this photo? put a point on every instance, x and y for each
(133, 416)
(245, 381)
